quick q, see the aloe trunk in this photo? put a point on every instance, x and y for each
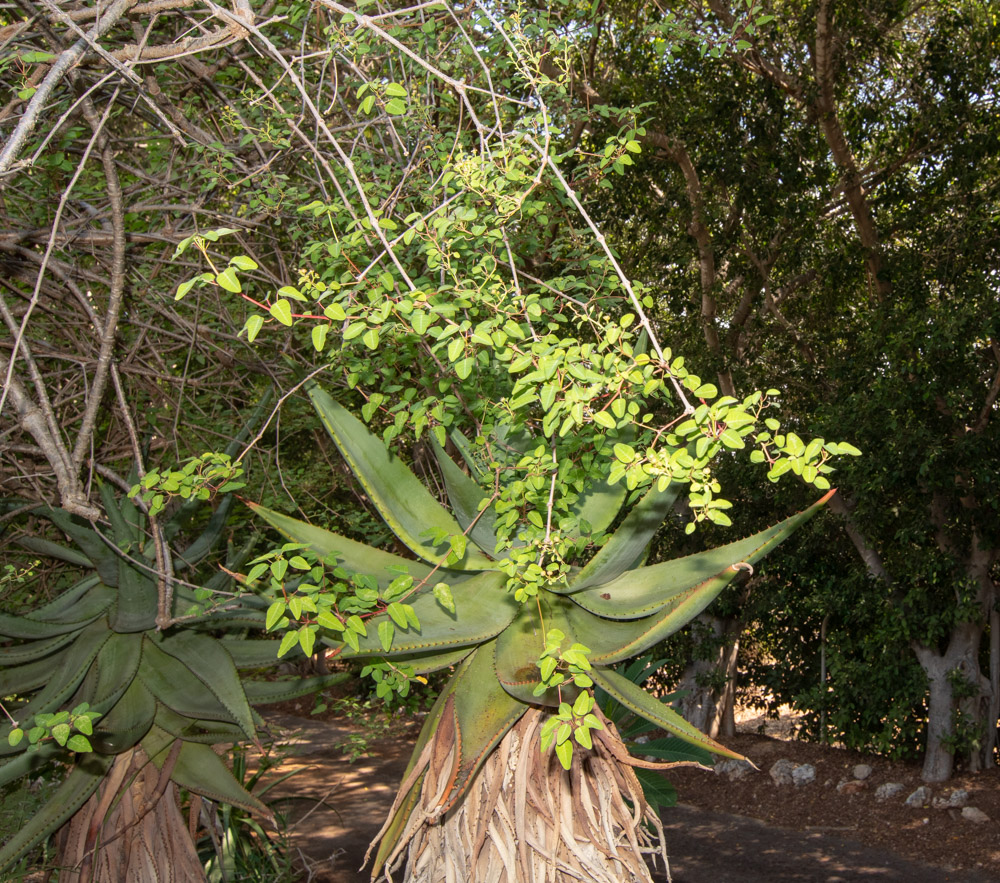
(480, 801)
(131, 829)
(524, 811)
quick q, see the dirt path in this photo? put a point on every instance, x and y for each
(711, 847)
(341, 806)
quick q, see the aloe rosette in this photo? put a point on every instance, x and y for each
(614, 606)
(163, 697)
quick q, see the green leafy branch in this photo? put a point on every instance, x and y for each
(559, 668)
(199, 478)
(57, 727)
(312, 596)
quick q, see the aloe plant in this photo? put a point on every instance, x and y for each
(480, 796)
(162, 698)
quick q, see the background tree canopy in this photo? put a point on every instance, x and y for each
(821, 208)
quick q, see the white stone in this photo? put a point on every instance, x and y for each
(862, 771)
(959, 797)
(804, 774)
(971, 814)
(781, 772)
(889, 789)
(919, 797)
(733, 769)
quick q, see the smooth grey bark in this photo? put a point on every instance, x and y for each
(712, 709)
(963, 648)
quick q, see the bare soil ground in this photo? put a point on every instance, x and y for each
(748, 830)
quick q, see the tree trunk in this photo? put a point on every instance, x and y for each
(938, 760)
(724, 723)
(710, 679)
(526, 820)
(962, 655)
(990, 745)
(131, 830)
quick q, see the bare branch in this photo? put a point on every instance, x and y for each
(60, 67)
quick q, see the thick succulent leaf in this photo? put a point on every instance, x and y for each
(199, 769)
(671, 748)
(518, 648)
(27, 762)
(465, 449)
(32, 651)
(202, 771)
(114, 669)
(172, 683)
(640, 592)
(75, 663)
(206, 658)
(94, 603)
(465, 495)
(598, 506)
(65, 600)
(123, 532)
(41, 546)
(470, 717)
(264, 692)
(354, 556)
(209, 537)
(138, 598)
(617, 640)
(134, 518)
(96, 600)
(425, 663)
(73, 793)
(609, 640)
(626, 547)
(228, 619)
(99, 552)
(483, 609)
(27, 677)
(251, 653)
(483, 713)
(639, 702)
(202, 731)
(127, 722)
(405, 504)
(428, 731)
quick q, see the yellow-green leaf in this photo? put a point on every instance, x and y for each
(282, 311)
(253, 326)
(229, 280)
(319, 333)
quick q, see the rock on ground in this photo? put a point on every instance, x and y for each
(862, 771)
(804, 774)
(781, 771)
(888, 790)
(958, 798)
(733, 769)
(919, 797)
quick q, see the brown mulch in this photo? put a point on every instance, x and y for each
(744, 830)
